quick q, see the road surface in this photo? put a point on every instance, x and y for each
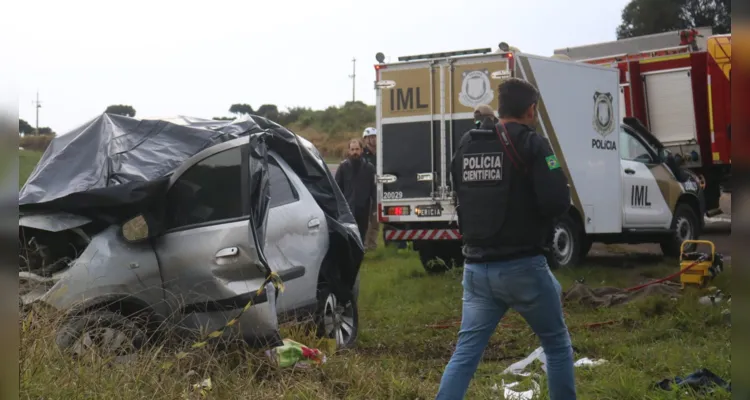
(717, 230)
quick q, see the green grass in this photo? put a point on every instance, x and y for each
(27, 160)
(400, 357)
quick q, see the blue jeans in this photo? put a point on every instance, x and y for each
(528, 286)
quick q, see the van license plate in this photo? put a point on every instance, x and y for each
(429, 211)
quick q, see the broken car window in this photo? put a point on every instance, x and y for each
(207, 192)
(281, 188)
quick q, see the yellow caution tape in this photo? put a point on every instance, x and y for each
(273, 278)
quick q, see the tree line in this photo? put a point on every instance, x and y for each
(352, 116)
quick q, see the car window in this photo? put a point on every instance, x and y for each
(209, 191)
(633, 149)
(282, 191)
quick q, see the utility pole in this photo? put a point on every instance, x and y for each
(38, 106)
(353, 76)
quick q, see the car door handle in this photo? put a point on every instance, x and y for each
(313, 223)
(629, 171)
(228, 252)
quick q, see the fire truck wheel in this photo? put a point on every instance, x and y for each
(438, 256)
(685, 226)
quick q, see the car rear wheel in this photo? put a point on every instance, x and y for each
(107, 333)
(567, 242)
(685, 226)
(440, 256)
(337, 319)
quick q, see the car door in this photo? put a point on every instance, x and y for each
(207, 253)
(296, 236)
(644, 205)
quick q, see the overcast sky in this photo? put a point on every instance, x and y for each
(196, 58)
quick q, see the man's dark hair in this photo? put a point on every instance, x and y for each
(515, 97)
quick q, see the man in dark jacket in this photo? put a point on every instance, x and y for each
(510, 188)
(356, 178)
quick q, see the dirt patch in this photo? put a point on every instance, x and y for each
(611, 296)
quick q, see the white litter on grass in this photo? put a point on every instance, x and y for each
(518, 368)
(712, 299)
(587, 362)
(510, 394)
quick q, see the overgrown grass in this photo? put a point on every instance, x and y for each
(400, 357)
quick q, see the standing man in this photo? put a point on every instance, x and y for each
(509, 189)
(356, 178)
(369, 137)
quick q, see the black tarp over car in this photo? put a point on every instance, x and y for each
(114, 167)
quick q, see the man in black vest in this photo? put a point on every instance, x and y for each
(509, 188)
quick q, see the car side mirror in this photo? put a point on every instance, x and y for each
(136, 229)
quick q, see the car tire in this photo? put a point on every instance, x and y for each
(440, 257)
(685, 225)
(104, 331)
(336, 321)
(568, 242)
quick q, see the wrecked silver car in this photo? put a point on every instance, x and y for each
(183, 222)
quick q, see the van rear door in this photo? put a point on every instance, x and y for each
(471, 81)
(409, 126)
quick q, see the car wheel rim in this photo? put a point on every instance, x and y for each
(562, 244)
(109, 341)
(338, 320)
(684, 229)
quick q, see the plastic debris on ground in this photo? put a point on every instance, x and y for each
(294, 354)
(587, 362)
(199, 390)
(518, 368)
(712, 299)
(509, 393)
(702, 381)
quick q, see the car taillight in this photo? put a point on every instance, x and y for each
(396, 211)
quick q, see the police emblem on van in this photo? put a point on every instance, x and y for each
(603, 121)
(475, 88)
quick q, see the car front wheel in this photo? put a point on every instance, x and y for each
(337, 319)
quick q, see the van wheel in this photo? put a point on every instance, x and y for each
(685, 226)
(567, 242)
(439, 257)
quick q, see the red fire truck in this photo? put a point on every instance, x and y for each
(677, 85)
